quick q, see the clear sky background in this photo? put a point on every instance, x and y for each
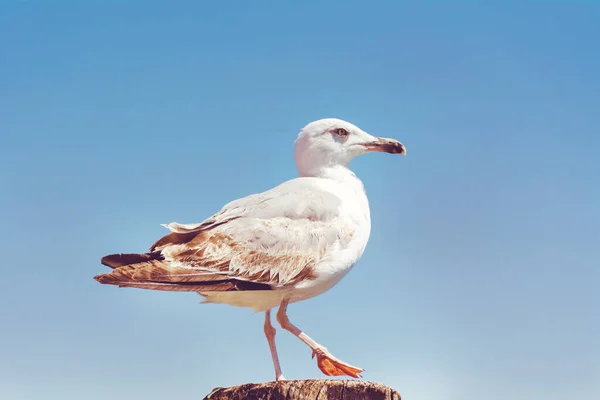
(481, 279)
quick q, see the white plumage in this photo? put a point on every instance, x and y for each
(270, 249)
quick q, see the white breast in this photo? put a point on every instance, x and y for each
(355, 215)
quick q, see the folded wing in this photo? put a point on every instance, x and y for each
(265, 241)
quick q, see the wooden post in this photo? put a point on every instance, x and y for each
(313, 389)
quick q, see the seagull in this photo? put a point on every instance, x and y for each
(270, 249)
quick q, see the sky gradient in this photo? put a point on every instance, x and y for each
(481, 276)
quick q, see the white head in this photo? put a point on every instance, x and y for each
(332, 142)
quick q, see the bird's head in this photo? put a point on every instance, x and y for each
(332, 142)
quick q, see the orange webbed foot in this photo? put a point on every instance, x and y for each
(331, 366)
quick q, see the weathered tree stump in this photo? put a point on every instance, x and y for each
(313, 389)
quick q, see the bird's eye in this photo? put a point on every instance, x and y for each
(341, 132)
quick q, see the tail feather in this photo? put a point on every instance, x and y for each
(119, 260)
(151, 271)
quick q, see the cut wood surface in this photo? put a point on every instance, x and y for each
(314, 389)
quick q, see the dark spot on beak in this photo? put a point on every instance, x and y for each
(386, 145)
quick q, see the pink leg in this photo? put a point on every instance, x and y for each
(326, 362)
(270, 334)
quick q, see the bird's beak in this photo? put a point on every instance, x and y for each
(385, 145)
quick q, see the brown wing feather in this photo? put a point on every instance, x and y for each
(151, 271)
(220, 253)
(157, 274)
(250, 254)
(120, 260)
(172, 238)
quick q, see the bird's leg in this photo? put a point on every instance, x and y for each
(326, 362)
(270, 334)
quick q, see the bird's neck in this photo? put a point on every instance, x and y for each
(338, 173)
(346, 185)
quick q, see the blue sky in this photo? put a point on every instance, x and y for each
(481, 276)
